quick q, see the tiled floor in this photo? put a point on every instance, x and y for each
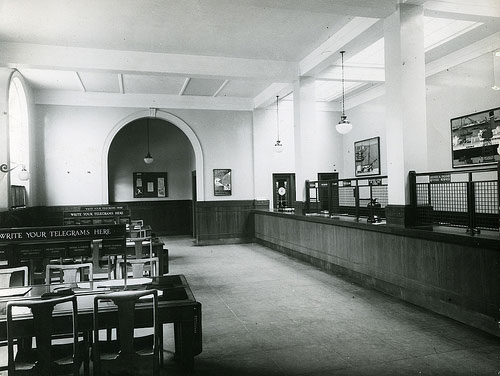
(267, 314)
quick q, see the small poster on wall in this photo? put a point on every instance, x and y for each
(150, 184)
(367, 156)
(222, 182)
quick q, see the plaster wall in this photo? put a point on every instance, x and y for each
(458, 91)
(74, 137)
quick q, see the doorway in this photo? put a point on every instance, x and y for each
(193, 205)
(283, 191)
(328, 192)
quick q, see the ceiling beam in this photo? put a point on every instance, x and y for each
(95, 99)
(475, 50)
(486, 45)
(268, 95)
(363, 8)
(23, 55)
(467, 12)
(353, 74)
(356, 35)
(365, 96)
(320, 58)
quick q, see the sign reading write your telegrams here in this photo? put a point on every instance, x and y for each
(61, 232)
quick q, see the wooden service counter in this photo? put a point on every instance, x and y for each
(444, 270)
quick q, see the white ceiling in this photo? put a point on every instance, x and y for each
(229, 54)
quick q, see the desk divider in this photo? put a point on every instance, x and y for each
(39, 244)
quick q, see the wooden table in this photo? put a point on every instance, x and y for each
(176, 305)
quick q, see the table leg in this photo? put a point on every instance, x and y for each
(161, 344)
(87, 341)
(187, 337)
(187, 343)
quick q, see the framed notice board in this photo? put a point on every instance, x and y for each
(150, 184)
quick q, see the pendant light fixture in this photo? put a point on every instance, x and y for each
(344, 126)
(148, 159)
(278, 146)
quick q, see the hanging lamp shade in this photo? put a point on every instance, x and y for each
(278, 146)
(344, 126)
(148, 159)
(23, 175)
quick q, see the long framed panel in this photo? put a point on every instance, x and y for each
(475, 138)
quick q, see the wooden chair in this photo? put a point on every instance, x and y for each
(138, 267)
(10, 277)
(127, 355)
(47, 358)
(69, 273)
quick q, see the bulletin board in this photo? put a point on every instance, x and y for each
(150, 184)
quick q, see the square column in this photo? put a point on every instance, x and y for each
(405, 106)
(304, 119)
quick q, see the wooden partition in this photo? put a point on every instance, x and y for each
(96, 215)
(169, 217)
(35, 246)
(40, 216)
(220, 222)
(450, 273)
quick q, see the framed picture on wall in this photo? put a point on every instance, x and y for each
(475, 138)
(222, 182)
(367, 157)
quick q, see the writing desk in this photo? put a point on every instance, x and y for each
(176, 305)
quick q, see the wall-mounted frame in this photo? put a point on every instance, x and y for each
(222, 182)
(150, 184)
(367, 157)
(475, 138)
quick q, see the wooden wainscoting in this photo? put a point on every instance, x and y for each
(169, 217)
(454, 275)
(224, 222)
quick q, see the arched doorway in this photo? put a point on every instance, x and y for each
(179, 123)
(176, 152)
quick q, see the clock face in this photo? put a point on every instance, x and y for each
(281, 191)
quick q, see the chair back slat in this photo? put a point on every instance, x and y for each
(126, 316)
(126, 305)
(68, 273)
(138, 266)
(42, 311)
(17, 276)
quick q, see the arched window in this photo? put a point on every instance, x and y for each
(18, 141)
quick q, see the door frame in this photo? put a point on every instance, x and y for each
(291, 179)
